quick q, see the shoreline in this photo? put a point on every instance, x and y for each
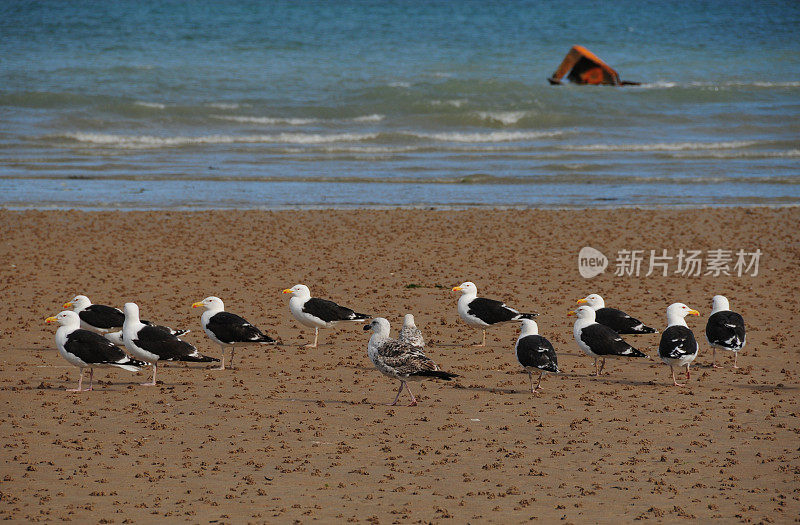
(102, 194)
(421, 207)
(297, 434)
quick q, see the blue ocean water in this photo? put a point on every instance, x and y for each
(270, 104)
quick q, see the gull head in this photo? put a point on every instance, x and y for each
(529, 327)
(131, 311)
(79, 302)
(720, 302)
(679, 311)
(466, 288)
(65, 318)
(379, 326)
(594, 301)
(299, 290)
(210, 303)
(583, 313)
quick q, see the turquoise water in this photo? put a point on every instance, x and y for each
(194, 105)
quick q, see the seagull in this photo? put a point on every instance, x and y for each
(227, 329)
(87, 349)
(318, 313)
(153, 343)
(97, 317)
(410, 334)
(116, 337)
(725, 329)
(678, 346)
(400, 360)
(105, 319)
(617, 320)
(482, 313)
(599, 341)
(534, 352)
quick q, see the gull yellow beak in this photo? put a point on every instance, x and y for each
(694, 312)
(66, 305)
(456, 288)
(288, 290)
(51, 319)
(197, 305)
(581, 301)
(570, 313)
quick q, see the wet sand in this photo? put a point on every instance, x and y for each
(302, 434)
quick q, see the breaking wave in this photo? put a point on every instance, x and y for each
(151, 141)
(662, 146)
(275, 121)
(491, 136)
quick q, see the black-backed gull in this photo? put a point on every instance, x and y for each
(535, 353)
(481, 313)
(151, 343)
(678, 347)
(725, 329)
(599, 341)
(318, 313)
(88, 349)
(617, 320)
(227, 329)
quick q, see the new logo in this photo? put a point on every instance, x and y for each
(591, 262)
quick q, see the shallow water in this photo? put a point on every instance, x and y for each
(280, 104)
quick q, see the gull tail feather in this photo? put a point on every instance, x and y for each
(439, 374)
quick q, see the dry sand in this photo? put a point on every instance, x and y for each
(302, 434)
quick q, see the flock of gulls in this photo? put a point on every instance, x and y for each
(96, 336)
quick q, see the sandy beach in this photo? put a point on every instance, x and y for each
(298, 435)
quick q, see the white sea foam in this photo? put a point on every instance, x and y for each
(268, 120)
(370, 150)
(788, 154)
(154, 105)
(657, 85)
(662, 146)
(456, 103)
(716, 86)
(491, 136)
(777, 84)
(222, 105)
(370, 118)
(504, 117)
(150, 141)
(274, 121)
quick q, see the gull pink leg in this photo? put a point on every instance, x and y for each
(153, 382)
(674, 381)
(91, 378)
(316, 335)
(539, 383)
(413, 399)
(80, 383)
(399, 390)
(221, 361)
